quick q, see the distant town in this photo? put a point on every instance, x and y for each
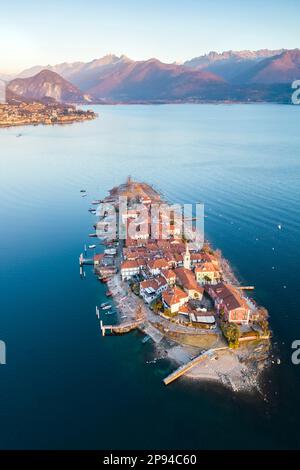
(36, 113)
(182, 294)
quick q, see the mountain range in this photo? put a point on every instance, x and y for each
(264, 75)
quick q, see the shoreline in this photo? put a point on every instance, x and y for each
(37, 113)
(199, 351)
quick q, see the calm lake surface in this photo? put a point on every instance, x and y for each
(64, 386)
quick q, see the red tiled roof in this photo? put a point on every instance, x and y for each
(229, 295)
(207, 266)
(168, 273)
(129, 265)
(187, 280)
(173, 296)
(98, 257)
(158, 263)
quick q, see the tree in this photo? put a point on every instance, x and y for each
(231, 332)
(135, 287)
(157, 306)
(264, 324)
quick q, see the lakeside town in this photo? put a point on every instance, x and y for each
(168, 282)
(35, 113)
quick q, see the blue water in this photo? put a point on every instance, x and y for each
(64, 386)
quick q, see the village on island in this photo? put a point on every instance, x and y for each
(35, 113)
(168, 282)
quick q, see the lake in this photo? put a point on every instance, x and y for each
(64, 386)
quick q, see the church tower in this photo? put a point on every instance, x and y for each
(187, 258)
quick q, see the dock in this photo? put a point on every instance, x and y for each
(245, 287)
(120, 328)
(186, 367)
(84, 261)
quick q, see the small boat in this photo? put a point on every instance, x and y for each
(109, 313)
(91, 247)
(92, 211)
(19, 135)
(104, 304)
(83, 190)
(109, 294)
(123, 317)
(107, 307)
(96, 202)
(104, 279)
(92, 235)
(145, 339)
(84, 195)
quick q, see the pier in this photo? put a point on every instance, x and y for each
(84, 261)
(245, 287)
(120, 328)
(186, 367)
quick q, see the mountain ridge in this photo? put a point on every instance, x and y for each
(227, 76)
(45, 85)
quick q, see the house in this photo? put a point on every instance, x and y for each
(186, 279)
(207, 273)
(210, 258)
(169, 275)
(229, 300)
(174, 298)
(178, 259)
(129, 269)
(162, 284)
(150, 289)
(157, 265)
(196, 258)
(203, 319)
(98, 259)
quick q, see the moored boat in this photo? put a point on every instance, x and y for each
(106, 307)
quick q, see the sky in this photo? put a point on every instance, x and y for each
(35, 32)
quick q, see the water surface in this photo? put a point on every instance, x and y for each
(64, 386)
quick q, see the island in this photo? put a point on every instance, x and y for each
(169, 283)
(35, 113)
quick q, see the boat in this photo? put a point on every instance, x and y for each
(92, 235)
(91, 247)
(109, 313)
(104, 304)
(109, 294)
(83, 190)
(92, 211)
(106, 307)
(84, 195)
(145, 339)
(104, 279)
(96, 202)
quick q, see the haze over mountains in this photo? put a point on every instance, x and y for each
(262, 75)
